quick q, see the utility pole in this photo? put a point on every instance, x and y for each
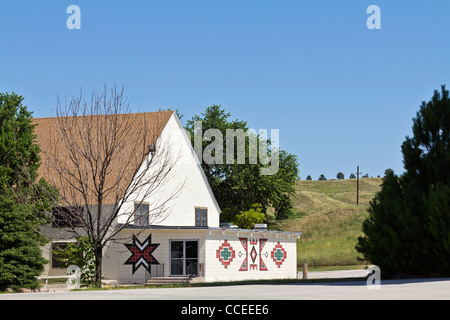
(357, 185)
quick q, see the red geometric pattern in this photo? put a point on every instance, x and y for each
(254, 253)
(262, 264)
(244, 265)
(141, 253)
(278, 254)
(225, 254)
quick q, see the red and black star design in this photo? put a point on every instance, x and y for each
(142, 253)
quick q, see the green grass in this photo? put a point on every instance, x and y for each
(329, 219)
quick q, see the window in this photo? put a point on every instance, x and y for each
(61, 246)
(67, 217)
(201, 217)
(141, 214)
(57, 246)
(183, 257)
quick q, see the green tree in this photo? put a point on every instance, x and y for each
(81, 254)
(340, 176)
(24, 201)
(18, 149)
(308, 177)
(352, 176)
(21, 259)
(322, 177)
(384, 225)
(407, 228)
(237, 186)
(247, 219)
(438, 213)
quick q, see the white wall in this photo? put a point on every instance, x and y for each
(215, 270)
(195, 192)
(209, 242)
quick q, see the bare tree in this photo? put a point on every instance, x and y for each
(104, 161)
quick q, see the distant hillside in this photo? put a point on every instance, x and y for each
(330, 220)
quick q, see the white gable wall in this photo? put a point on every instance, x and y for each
(187, 172)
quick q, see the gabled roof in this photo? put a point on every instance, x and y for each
(73, 148)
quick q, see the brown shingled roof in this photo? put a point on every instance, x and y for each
(77, 148)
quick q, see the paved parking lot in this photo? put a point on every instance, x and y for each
(335, 274)
(355, 290)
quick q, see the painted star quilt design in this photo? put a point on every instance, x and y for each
(142, 253)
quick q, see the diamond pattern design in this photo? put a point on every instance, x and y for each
(225, 254)
(278, 254)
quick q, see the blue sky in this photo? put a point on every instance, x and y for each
(340, 94)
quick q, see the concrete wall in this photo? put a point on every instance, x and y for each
(261, 264)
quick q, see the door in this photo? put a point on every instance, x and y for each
(183, 257)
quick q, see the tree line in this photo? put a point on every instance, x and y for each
(339, 176)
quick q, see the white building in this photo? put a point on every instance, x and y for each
(188, 241)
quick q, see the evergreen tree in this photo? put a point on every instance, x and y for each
(427, 155)
(438, 211)
(384, 226)
(21, 259)
(18, 150)
(408, 226)
(23, 200)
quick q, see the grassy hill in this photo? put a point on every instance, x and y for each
(329, 219)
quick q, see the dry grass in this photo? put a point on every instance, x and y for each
(330, 220)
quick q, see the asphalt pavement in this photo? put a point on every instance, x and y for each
(340, 274)
(410, 289)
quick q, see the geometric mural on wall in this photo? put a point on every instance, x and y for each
(262, 264)
(278, 254)
(225, 254)
(142, 253)
(244, 265)
(253, 254)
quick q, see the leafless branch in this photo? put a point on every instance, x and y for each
(101, 157)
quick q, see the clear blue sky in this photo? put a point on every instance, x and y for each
(340, 94)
